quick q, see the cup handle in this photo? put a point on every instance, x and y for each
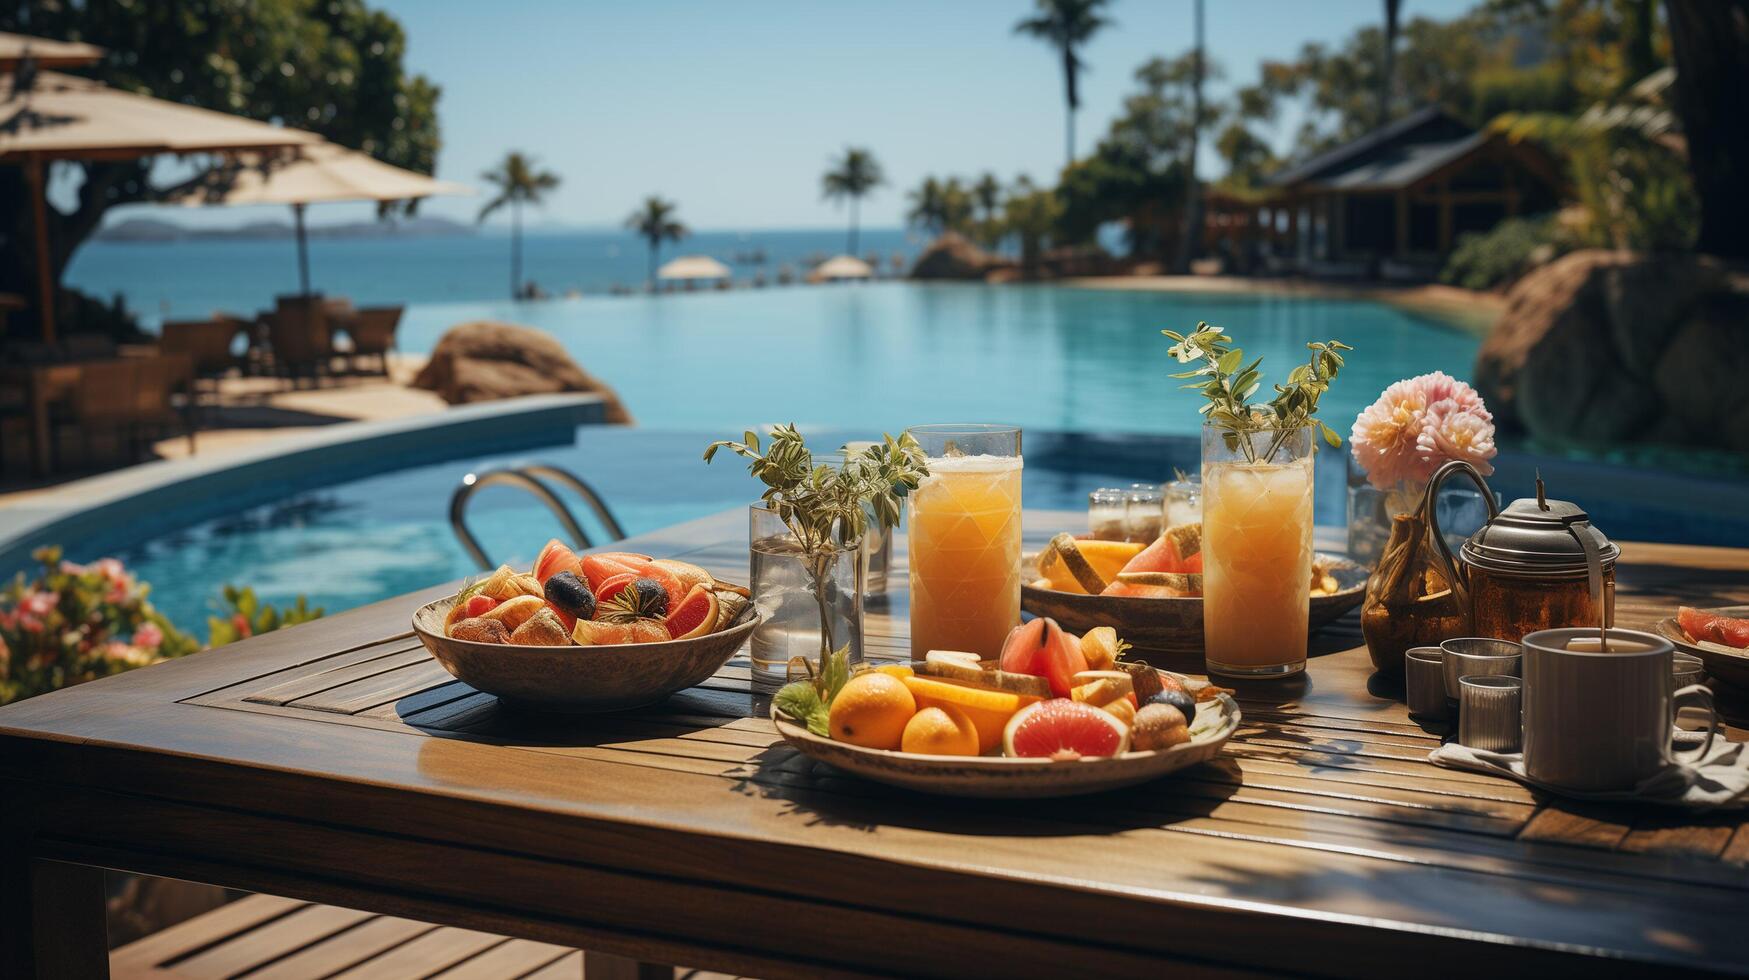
(1705, 695)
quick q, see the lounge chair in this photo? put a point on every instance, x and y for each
(132, 396)
(206, 343)
(372, 329)
(298, 335)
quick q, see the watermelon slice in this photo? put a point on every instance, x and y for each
(1178, 550)
(1064, 730)
(1714, 628)
(555, 558)
(1042, 649)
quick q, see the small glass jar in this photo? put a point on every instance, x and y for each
(1184, 501)
(1106, 513)
(1144, 512)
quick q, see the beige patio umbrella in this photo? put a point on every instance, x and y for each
(45, 53)
(841, 267)
(324, 172)
(60, 117)
(693, 267)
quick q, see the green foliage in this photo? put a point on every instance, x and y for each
(1484, 260)
(1032, 216)
(517, 180)
(852, 176)
(243, 615)
(800, 702)
(939, 206)
(1228, 383)
(75, 623)
(333, 67)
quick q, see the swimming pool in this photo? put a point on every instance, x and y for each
(886, 355)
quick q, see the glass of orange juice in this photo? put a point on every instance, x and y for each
(965, 539)
(1257, 550)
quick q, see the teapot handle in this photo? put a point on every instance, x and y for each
(1430, 514)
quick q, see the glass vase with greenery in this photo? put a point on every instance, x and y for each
(824, 511)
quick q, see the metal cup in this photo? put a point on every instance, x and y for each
(1424, 681)
(1491, 712)
(1475, 655)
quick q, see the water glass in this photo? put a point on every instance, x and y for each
(1184, 501)
(1491, 714)
(965, 539)
(1144, 512)
(1424, 681)
(808, 603)
(1106, 511)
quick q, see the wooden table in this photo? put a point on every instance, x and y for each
(336, 763)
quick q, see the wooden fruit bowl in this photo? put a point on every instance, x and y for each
(995, 777)
(1174, 625)
(1723, 663)
(581, 678)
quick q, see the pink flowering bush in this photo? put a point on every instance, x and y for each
(1417, 425)
(76, 623)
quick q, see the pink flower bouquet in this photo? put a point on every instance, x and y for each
(1416, 426)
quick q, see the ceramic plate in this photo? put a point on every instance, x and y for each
(578, 678)
(1175, 625)
(997, 778)
(1728, 664)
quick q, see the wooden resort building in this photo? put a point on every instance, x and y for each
(1390, 204)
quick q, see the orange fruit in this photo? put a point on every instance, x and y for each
(942, 730)
(986, 708)
(871, 710)
(897, 670)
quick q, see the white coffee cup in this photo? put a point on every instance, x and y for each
(1600, 720)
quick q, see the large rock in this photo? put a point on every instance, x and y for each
(1604, 347)
(485, 361)
(953, 256)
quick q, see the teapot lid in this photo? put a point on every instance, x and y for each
(1538, 536)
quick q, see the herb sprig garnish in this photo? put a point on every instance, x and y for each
(1228, 383)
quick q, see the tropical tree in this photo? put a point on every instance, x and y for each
(1066, 25)
(850, 177)
(1193, 187)
(1031, 215)
(986, 194)
(334, 68)
(655, 221)
(1392, 9)
(517, 182)
(1710, 42)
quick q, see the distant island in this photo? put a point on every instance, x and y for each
(159, 230)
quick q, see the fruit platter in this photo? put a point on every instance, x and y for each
(1056, 715)
(596, 632)
(1153, 592)
(1719, 637)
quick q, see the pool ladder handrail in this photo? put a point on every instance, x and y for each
(529, 478)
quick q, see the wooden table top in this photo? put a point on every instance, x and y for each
(336, 762)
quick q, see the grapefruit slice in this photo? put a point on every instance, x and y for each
(988, 710)
(611, 587)
(694, 615)
(1063, 729)
(597, 569)
(1714, 628)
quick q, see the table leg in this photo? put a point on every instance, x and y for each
(606, 966)
(54, 915)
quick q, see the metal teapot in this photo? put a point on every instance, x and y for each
(1536, 564)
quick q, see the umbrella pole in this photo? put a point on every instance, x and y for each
(33, 170)
(303, 250)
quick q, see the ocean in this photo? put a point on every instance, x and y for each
(194, 278)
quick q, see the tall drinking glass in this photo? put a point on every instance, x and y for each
(965, 539)
(1257, 550)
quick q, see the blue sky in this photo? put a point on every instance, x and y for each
(733, 109)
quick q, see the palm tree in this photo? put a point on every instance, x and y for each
(517, 181)
(1066, 25)
(1193, 187)
(850, 177)
(655, 221)
(988, 193)
(928, 206)
(1392, 7)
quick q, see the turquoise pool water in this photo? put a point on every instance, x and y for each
(888, 355)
